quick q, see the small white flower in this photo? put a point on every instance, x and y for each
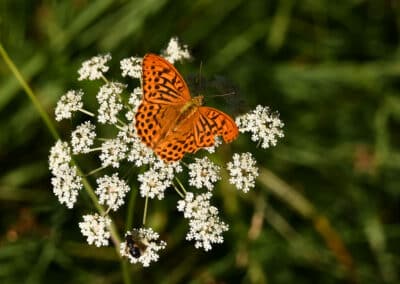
(195, 208)
(142, 245)
(203, 173)
(69, 103)
(243, 171)
(111, 191)
(94, 68)
(167, 170)
(218, 141)
(138, 152)
(95, 229)
(153, 184)
(83, 137)
(176, 52)
(110, 102)
(66, 185)
(112, 152)
(158, 178)
(60, 156)
(265, 127)
(205, 226)
(135, 98)
(131, 67)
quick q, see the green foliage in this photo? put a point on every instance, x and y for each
(326, 207)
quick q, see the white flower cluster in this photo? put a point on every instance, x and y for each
(265, 127)
(94, 68)
(157, 179)
(83, 138)
(243, 171)
(65, 181)
(110, 102)
(131, 67)
(142, 245)
(95, 229)
(175, 51)
(69, 103)
(137, 153)
(203, 173)
(112, 152)
(135, 99)
(205, 226)
(111, 191)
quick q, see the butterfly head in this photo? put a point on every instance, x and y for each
(198, 100)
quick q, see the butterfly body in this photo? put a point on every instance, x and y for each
(169, 120)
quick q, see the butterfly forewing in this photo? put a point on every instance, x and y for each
(162, 84)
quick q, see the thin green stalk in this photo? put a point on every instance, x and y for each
(126, 272)
(179, 193)
(145, 210)
(181, 185)
(29, 92)
(130, 212)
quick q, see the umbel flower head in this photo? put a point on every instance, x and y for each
(108, 137)
(142, 245)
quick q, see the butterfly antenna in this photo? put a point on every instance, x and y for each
(224, 95)
(201, 67)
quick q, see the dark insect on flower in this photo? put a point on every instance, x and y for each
(135, 245)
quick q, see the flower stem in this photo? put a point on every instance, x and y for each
(177, 191)
(94, 171)
(130, 212)
(86, 112)
(181, 185)
(126, 272)
(45, 117)
(145, 210)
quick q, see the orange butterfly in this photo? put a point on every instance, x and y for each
(169, 120)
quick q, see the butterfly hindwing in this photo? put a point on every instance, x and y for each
(177, 143)
(212, 122)
(152, 122)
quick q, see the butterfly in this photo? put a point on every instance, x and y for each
(169, 120)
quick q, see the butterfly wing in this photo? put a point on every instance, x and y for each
(162, 83)
(153, 121)
(164, 94)
(177, 143)
(212, 122)
(196, 132)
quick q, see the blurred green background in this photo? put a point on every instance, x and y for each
(326, 208)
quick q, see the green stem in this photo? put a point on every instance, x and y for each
(145, 209)
(95, 171)
(125, 272)
(180, 184)
(131, 207)
(179, 193)
(86, 112)
(29, 92)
